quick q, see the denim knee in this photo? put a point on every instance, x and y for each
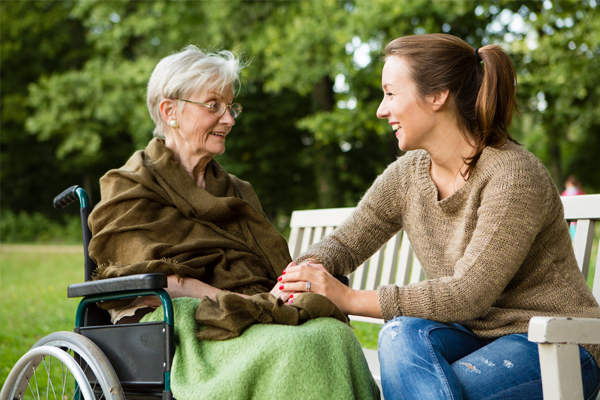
(403, 331)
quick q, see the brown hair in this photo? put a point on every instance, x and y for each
(484, 96)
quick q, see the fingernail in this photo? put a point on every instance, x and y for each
(283, 273)
(280, 278)
(281, 287)
(291, 301)
(291, 295)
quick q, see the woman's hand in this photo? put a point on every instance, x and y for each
(298, 278)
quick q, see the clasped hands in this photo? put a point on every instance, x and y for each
(293, 283)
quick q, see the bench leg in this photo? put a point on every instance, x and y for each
(561, 371)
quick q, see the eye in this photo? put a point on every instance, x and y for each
(214, 106)
(390, 94)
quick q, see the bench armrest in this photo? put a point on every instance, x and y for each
(558, 342)
(121, 284)
(564, 330)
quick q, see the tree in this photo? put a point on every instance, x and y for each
(33, 47)
(308, 136)
(559, 76)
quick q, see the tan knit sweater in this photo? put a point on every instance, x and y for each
(496, 252)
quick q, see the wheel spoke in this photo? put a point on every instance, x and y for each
(37, 388)
(48, 367)
(50, 384)
(31, 389)
(64, 380)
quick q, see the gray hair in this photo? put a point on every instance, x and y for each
(187, 72)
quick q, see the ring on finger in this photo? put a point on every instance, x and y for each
(308, 286)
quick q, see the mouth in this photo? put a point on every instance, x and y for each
(221, 134)
(396, 126)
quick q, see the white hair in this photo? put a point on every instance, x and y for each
(186, 73)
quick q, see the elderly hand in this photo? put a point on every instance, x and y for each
(184, 287)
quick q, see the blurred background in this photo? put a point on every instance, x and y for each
(73, 78)
(74, 74)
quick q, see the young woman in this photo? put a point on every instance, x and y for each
(485, 220)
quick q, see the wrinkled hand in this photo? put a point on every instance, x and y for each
(183, 287)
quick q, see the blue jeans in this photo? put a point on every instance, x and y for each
(422, 359)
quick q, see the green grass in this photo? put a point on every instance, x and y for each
(366, 333)
(33, 297)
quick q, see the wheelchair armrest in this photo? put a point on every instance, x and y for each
(121, 284)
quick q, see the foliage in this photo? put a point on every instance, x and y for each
(37, 228)
(559, 77)
(38, 39)
(308, 136)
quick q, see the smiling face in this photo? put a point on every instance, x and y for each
(201, 133)
(409, 115)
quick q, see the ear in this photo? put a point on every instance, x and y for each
(168, 109)
(439, 99)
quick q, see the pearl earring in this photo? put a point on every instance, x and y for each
(174, 124)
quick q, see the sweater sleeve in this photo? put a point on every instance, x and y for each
(374, 221)
(511, 212)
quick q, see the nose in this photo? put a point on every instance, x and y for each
(383, 110)
(226, 118)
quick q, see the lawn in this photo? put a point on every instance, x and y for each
(33, 296)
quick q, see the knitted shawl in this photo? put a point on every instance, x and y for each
(153, 218)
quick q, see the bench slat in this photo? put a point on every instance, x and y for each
(417, 274)
(375, 267)
(582, 245)
(405, 262)
(596, 283)
(306, 239)
(326, 217)
(390, 263)
(318, 235)
(294, 243)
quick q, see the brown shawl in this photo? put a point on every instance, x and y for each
(153, 218)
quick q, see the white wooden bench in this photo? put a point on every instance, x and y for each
(395, 263)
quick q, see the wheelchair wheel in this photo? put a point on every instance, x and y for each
(63, 365)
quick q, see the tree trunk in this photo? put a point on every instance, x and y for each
(326, 168)
(554, 152)
(87, 186)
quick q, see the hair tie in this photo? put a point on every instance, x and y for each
(477, 55)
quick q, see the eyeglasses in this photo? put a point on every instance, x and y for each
(218, 109)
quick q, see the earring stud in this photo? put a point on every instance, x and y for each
(174, 124)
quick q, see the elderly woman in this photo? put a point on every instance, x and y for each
(173, 209)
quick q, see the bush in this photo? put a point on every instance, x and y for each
(37, 228)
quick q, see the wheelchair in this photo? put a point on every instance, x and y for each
(99, 360)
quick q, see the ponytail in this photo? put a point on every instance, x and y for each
(484, 95)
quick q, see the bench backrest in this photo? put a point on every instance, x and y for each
(395, 261)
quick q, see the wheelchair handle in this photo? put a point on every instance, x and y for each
(64, 199)
(70, 195)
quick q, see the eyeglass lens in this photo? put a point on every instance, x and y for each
(234, 109)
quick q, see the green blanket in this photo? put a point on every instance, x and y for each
(320, 359)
